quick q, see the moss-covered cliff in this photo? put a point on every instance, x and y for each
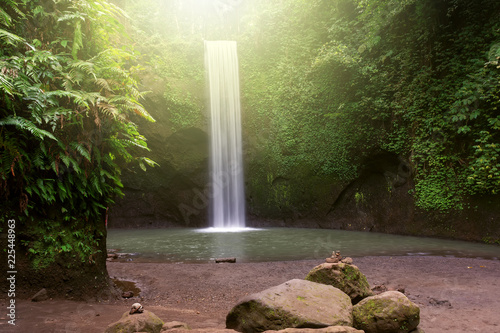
(363, 115)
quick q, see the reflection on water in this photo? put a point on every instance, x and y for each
(253, 245)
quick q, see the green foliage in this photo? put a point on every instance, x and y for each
(172, 58)
(47, 240)
(332, 82)
(446, 99)
(440, 188)
(66, 118)
(484, 176)
(287, 111)
(325, 84)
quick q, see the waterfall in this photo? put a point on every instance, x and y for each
(227, 196)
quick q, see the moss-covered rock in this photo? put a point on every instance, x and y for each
(389, 312)
(137, 322)
(347, 278)
(296, 303)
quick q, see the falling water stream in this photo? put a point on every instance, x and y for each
(228, 199)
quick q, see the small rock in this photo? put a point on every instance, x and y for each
(127, 294)
(381, 288)
(378, 289)
(435, 302)
(41, 296)
(347, 260)
(174, 324)
(331, 260)
(401, 289)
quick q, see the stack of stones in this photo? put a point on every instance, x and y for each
(337, 257)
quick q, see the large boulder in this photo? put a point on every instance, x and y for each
(389, 312)
(331, 329)
(345, 277)
(296, 303)
(137, 322)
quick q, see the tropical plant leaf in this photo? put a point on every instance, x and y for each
(27, 125)
(81, 150)
(10, 38)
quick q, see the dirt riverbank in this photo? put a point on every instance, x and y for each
(454, 294)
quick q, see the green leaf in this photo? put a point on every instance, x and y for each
(10, 38)
(27, 125)
(80, 149)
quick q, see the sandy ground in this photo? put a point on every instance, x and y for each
(454, 294)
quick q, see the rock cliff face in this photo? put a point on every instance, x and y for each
(172, 194)
(378, 200)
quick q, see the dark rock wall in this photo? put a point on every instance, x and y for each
(377, 200)
(176, 194)
(171, 194)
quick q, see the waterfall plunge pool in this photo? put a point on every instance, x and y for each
(280, 244)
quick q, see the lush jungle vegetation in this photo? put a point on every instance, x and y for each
(325, 83)
(334, 80)
(69, 97)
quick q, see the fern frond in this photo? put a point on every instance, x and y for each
(80, 149)
(26, 125)
(5, 18)
(67, 160)
(71, 16)
(112, 9)
(103, 84)
(131, 105)
(108, 109)
(85, 99)
(86, 67)
(96, 184)
(6, 86)
(139, 109)
(38, 159)
(10, 38)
